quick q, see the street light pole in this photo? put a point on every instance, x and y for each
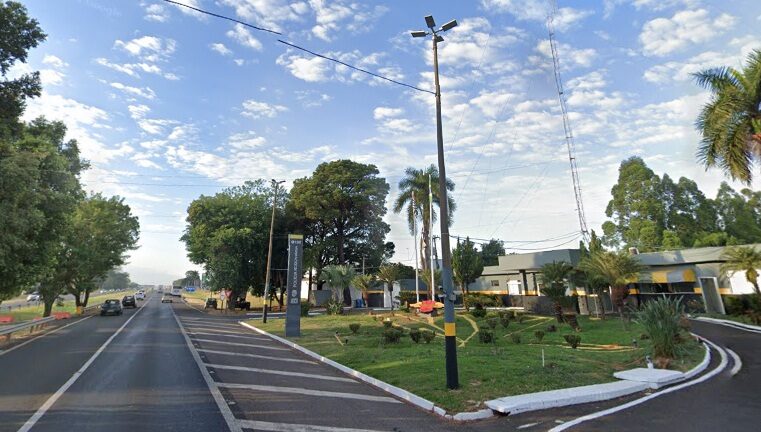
(446, 253)
(275, 183)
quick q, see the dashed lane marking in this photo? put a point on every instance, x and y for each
(291, 427)
(241, 344)
(738, 364)
(279, 372)
(255, 356)
(308, 392)
(216, 329)
(230, 336)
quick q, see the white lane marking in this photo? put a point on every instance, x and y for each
(721, 367)
(216, 329)
(211, 321)
(226, 335)
(43, 335)
(255, 356)
(240, 344)
(224, 409)
(291, 427)
(309, 392)
(527, 425)
(279, 372)
(52, 399)
(731, 324)
(738, 364)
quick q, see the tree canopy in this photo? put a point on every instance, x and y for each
(466, 264)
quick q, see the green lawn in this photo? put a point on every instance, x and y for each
(486, 371)
(30, 312)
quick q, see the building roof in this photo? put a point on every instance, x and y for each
(531, 261)
(686, 256)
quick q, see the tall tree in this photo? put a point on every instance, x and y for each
(592, 281)
(737, 215)
(416, 182)
(115, 280)
(730, 122)
(363, 283)
(555, 277)
(616, 269)
(339, 277)
(466, 264)
(342, 206)
(19, 34)
(490, 252)
(743, 259)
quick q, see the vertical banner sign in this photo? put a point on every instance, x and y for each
(293, 313)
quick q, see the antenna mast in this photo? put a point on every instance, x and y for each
(566, 124)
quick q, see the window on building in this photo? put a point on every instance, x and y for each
(495, 283)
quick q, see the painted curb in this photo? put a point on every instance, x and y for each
(702, 365)
(729, 323)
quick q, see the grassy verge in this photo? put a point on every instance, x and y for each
(30, 312)
(487, 371)
(743, 319)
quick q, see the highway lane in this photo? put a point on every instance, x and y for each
(30, 374)
(146, 378)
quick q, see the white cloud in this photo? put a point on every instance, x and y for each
(243, 36)
(154, 126)
(148, 48)
(536, 10)
(310, 69)
(271, 13)
(156, 12)
(659, 5)
(311, 98)
(133, 69)
(54, 61)
(256, 109)
(663, 36)
(316, 69)
(144, 92)
(386, 112)
(331, 17)
(183, 132)
(50, 77)
(239, 62)
(475, 42)
(246, 141)
(221, 49)
(569, 56)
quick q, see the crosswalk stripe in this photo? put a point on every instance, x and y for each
(279, 372)
(254, 356)
(240, 344)
(291, 427)
(309, 392)
(231, 336)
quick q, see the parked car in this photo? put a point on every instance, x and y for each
(129, 301)
(139, 295)
(211, 302)
(111, 307)
(33, 297)
(166, 298)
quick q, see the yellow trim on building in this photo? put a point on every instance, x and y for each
(660, 277)
(488, 292)
(449, 329)
(698, 290)
(689, 276)
(725, 290)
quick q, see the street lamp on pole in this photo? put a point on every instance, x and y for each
(275, 184)
(446, 253)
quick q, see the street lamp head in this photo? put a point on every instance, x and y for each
(419, 33)
(450, 25)
(430, 22)
(439, 38)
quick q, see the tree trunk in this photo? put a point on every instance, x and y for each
(309, 287)
(341, 252)
(755, 287)
(558, 312)
(87, 298)
(48, 307)
(77, 300)
(391, 294)
(464, 288)
(424, 248)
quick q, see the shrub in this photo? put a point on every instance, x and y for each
(415, 335)
(387, 323)
(684, 323)
(504, 321)
(573, 340)
(644, 336)
(473, 300)
(428, 335)
(391, 335)
(486, 336)
(406, 297)
(539, 335)
(492, 323)
(520, 317)
(660, 318)
(305, 306)
(551, 328)
(515, 337)
(354, 327)
(478, 311)
(334, 307)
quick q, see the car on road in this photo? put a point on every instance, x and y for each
(139, 295)
(111, 307)
(166, 298)
(129, 300)
(33, 297)
(177, 291)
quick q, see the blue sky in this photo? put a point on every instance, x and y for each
(168, 104)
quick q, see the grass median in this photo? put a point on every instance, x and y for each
(487, 370)
(27, 313)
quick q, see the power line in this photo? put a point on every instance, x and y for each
(223, 17)
(354, 67)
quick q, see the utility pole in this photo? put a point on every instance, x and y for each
(275, 184)
(414, 231)
(446, 252)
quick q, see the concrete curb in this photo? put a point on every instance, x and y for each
(702, 365)
(729, 323)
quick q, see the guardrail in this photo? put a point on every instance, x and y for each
(7, 331)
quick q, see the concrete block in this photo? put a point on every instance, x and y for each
(655, 378)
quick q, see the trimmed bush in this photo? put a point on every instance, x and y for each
(387, 323)
(333, 307)
(354, 327)
(515, 337)
(478, 311)
(473, 300)
(428, 335)
(486, 336)
(415, 335)
(504, 321)
(520, 318)
(660, 318)
(305, 306)
(573, 340)
(492, 323)
(391, 335)
(551, 328)
(539, 335)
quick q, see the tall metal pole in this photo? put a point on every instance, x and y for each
(269, 252)
(414, 231)
(430, 240)
(446, 252)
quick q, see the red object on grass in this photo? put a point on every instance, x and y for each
(426, 306)
(61, 315)
(6, 319)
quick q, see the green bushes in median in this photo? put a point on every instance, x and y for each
(486, 336)
(305, 306)
(415, 335)
(354, 327)
(660, 318)
(391, 335)
(573, 340)
(428, 336)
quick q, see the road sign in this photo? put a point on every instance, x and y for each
(293, 312)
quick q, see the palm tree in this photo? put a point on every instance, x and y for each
(389, 274)
(363, 283)
(731, 122)
(554, 277)
(616, 269)
(416, 181)
(339, 278)
(743, 258)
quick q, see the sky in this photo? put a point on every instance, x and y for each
(168, 104)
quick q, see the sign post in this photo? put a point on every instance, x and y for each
(293, 312)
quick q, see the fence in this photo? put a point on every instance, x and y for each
(7, 331)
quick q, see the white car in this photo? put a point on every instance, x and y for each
(139, 295)
(33, 297)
